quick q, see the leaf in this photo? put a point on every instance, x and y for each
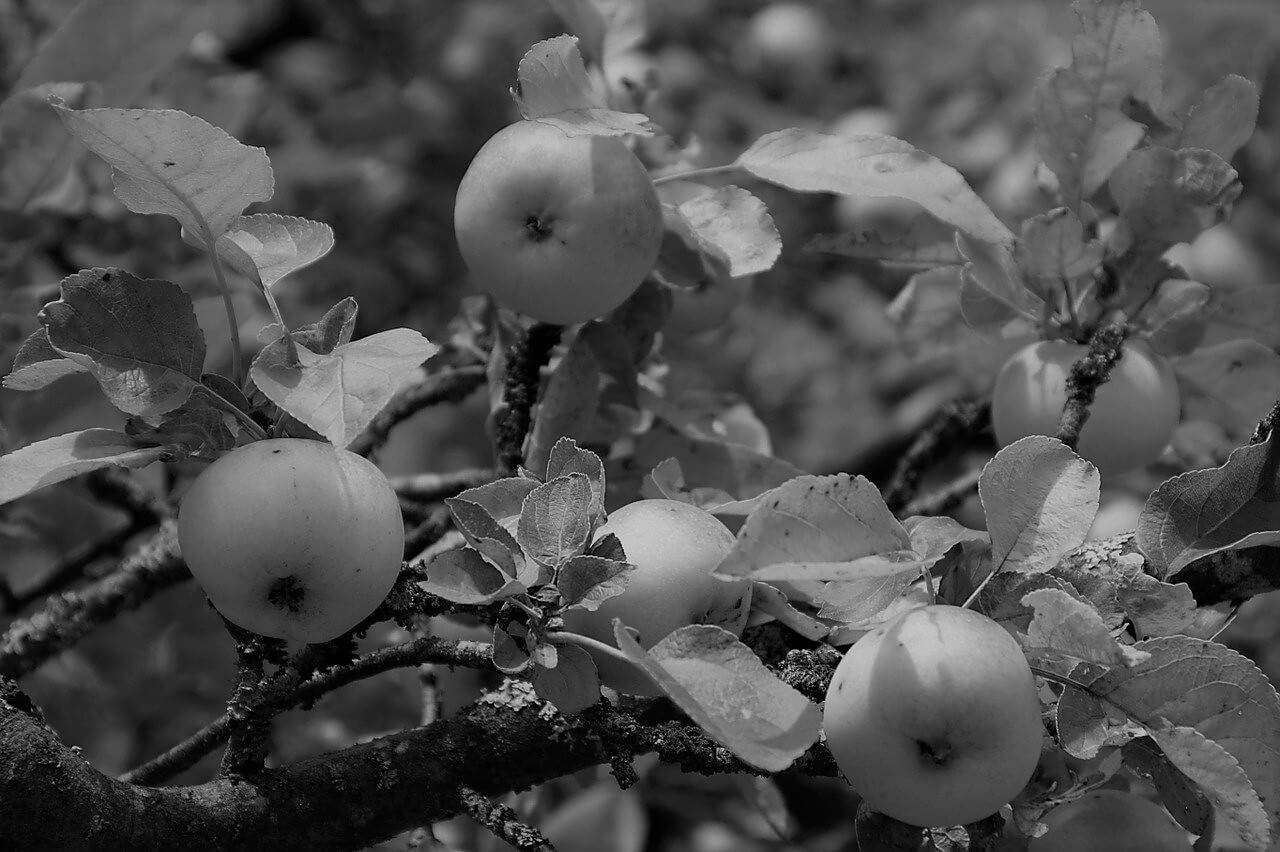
(815, 525)
(1178, 793)
(573, 684)
(588, 581)
(928, 305)
(992, 291)
(1176, 316)
(1065, 625)
(737, 471)
(568, 458)
(877, 166)
(37, 364)
(733, 226)
(555, 523)
(196, 427)
(552, 87)
(165, 161)
(1220, 777)
(606, 27)
(1082, 131)
(1053, 250)
(330, 331)
(1233, 384)
(1156, 608)
(567, 405)
(725, 688)
(57, 459)
(1168, 197)
(38, 154)
(1223, 119)
(461, 575)
(1040, 499)
(1203, 512)
(773, 602)
(491, 539)
(1192, 683)
(265, 247)
(120, 45)
(501, 499)
(340, 393)
(139, 338)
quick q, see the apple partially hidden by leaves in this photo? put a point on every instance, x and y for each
(559, 228)
(933, 718)
(1130, 420)
(292, 538)
(675, 547)
(1112, 820)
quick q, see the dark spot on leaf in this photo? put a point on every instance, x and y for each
(168, 164)
(287, 593)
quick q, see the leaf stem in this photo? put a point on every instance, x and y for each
(709, 171)
(588, 643)
(250, 425)
(233, 325)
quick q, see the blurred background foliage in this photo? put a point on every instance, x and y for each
(371, 111)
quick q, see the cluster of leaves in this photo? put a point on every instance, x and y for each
(140, 339)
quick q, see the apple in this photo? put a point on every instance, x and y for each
(675, 547)
(559, 228)
(791, 39)
(1130, 421)
(1113, 821)
(933, 718)
(292, 538)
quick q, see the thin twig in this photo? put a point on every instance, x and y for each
(425, 487)
(945, 498)
(1106, 347)
(246, 753)
(524, 369)
(954, 423)
(453, 385)
(501, 820)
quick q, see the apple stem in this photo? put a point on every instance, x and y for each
(588, 643)
(250, 425)
(710, 171)
(928, 585)
(233, 325)
(973, 596)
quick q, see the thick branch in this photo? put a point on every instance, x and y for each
(524, 367)
(1087, 375)
(67, 618)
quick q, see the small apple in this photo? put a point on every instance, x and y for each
(792, 39)
(675, 547)
(934, 718)
(560, 228)
(1111, 821)
(292, 538)
(1130, 421)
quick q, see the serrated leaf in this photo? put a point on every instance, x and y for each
(1203, 512)
(725, 688)
(1233, 384)
(463, 576)
(196, 427)
(567, 405)
(812, 526)
(552, 86)
(139, 338)
(567, 457)
(573, 684)
(37, 364)
(1065, 625)
(1223, 119)
(1178, 793)
(57, 459)
(1040, 499)
(738, 471)
(1082, 131)
(502, 499)
(510, 652)
(340, 393)
(555, 521)
(587, 581)
(265, 247)
(734, 227)
(120, 45)
(1168, 196)
(492, 539)
(1156, 608)
(877, 166)
(1220, 777)
(1192, 683)
(169, 162)
(327, 333)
